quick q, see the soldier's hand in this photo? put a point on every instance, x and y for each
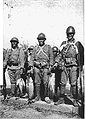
(40, 67)
(55, 65)
(21, 70)
(49, 71)
(4, 65)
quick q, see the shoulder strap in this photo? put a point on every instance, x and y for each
(63, 43)
(9, 52)
(41, 50)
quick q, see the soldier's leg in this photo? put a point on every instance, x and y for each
(24, 76)
(37, 84)
(33, 78)
(57, 83)
(46, 81)
(13, 81)
(62, 88)
(18, 76)
(73, 77)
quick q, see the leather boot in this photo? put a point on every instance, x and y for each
(74, 93)
(46, 90)
(75, 103)
(60, 101)
(13, 89)
(46, 94)
(37, 98)
(62, 95)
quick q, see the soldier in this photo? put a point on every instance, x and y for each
(57, 70)
(14, 61)
(69, 55)
(30, 50)
(32, 72)
(28, 71)
(4, 53)
(42, 60)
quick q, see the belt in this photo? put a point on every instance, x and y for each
(13, 67)
(13, 64)
(42, 65)
(69, 60)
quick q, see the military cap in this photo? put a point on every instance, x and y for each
(70, 29)
(41, 36)
(14, 39)
(31, 48)
(55, 49)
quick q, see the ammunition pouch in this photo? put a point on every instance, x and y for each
(40, 65)
(36, 64)
(11, 63)
(70, 61)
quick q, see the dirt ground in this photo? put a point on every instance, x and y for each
(19, 109)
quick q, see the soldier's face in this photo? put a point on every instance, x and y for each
(54, 53)
(41, 42)
(14, 44)
(30, 51)
(70, 36)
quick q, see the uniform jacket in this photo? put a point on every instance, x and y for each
(69, 53)
(42, 55)
(14, 58)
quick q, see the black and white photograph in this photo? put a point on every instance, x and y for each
(42, 59)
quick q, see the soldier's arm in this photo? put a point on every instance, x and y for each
(51, 56)
(22, 58)
(6, 59)
(31, 62)
(58, 59)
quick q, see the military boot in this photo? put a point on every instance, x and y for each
(46, 94)
(62, 96)
(74, 93)
(75, 103)
(37, 98)
(55, 98)
(13, 88)
(60, 101)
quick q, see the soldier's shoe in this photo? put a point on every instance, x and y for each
(36, 99)
(21, 95)
(8, 97)
(60, 101)
(30, 101)
(55, 98)
(47, 100)
(75, 103)
(25, 96)
(11, 95)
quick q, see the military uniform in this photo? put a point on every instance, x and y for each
(30, 72)
(4, 53)
(14, 60)
(57, 70)
(42, 59)
(69, 53)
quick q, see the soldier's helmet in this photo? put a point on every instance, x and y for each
(41, 36)
(14, 39)
(55, 49)
(70, 30)
(31, 47)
